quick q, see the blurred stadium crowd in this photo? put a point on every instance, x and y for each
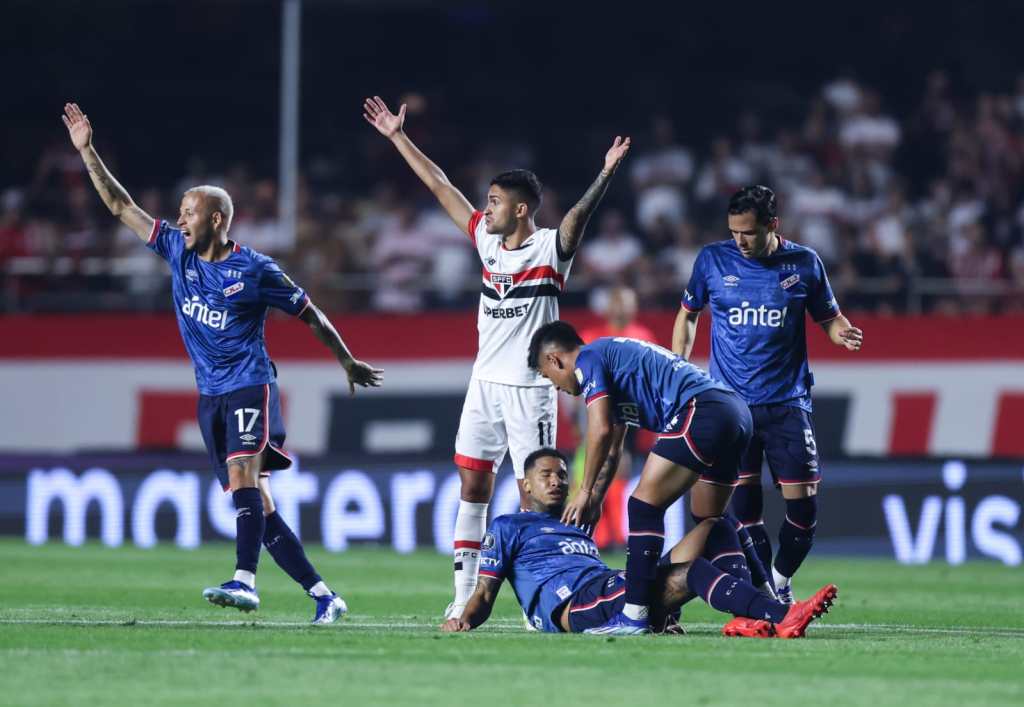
(917, 212)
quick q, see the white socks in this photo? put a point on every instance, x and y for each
(245, 577)
(470, 525)
(320, 589)
(780, 581)
(636, 612)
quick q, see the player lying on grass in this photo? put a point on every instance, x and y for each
(222, 291)
(703, 427)
(563, 586)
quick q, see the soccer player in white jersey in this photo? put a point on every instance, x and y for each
(508, 407)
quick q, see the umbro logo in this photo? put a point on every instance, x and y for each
(491, 261)
(731, 280)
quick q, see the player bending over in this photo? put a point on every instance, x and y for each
(702, 426)
(563, 586)
(508, 407)
(759, 286)
(222, 291)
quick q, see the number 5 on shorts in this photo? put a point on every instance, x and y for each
(809, 445)
(255, 413)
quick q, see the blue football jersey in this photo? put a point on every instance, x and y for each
(758, 340)
(545, 561)
(221, 308)
(648, 384)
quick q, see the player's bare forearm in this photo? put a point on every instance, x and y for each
(323, 330)
(450, 198)
(570, 231)
(478, 608)
(684, 332)
(114, 196)
(606, 473)
(358, 372)
(600, 434)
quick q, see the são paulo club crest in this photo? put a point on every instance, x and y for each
(502, 283)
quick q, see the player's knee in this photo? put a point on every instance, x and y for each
(698, 519)
(802, 514)
(477, 487)
(243, 473)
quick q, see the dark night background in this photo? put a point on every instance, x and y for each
(163, 81)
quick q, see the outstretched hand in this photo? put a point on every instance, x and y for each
(616, 153)
(379, 116)
(78, 125)
(364, 375)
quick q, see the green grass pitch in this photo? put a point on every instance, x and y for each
(99, 626)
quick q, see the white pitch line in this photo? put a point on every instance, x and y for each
(502, 625)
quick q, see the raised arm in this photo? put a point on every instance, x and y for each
(390, 126)
(570, 231)
(478, 608)
(684, 332)
(359, 373)
(113, 194)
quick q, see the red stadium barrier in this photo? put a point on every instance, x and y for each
(453, 335)
(922, 386)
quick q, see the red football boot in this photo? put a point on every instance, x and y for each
(804, 612)
(748, 628)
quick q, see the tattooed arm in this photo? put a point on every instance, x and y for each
(113, 194)
(611, 465)
(570, 231)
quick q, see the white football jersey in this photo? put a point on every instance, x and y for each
(520, 294)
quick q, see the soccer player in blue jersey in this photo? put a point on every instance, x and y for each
(563, 586)
(702, 426)
(759, 287)
(222, 291)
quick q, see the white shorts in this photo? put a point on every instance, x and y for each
(497, 418)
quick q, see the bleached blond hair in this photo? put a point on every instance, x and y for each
(220, 200)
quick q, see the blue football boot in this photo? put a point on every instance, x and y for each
(329, 608)
(621, 625)
(233, 593)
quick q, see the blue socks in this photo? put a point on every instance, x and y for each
(286, 549)
(756, 572)
(731, 594)
(748, 507)
(646, 541)
(722, 549)
(249, 525)
(796, 534)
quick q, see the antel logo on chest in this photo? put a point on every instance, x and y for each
(746, 315)
(201, 312)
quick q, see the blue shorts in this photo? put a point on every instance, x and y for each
(243, 423)
(784, 435)
(714, 431)
(597, 601)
